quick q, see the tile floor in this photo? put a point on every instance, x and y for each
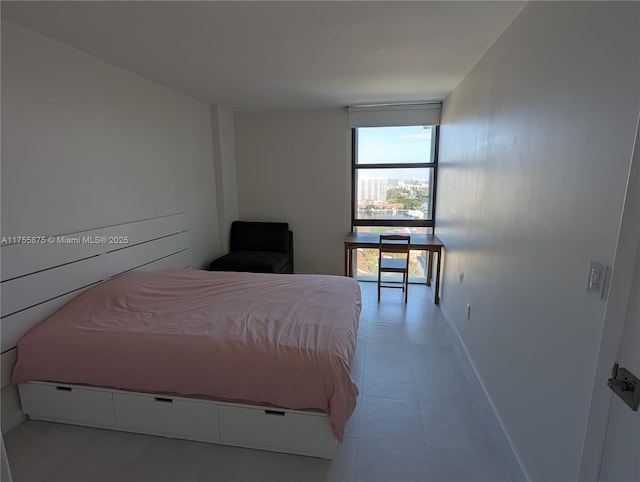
(416, 420)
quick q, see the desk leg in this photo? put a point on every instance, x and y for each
(346, 261)
(350, 263)
(429, 268)
(437, 295)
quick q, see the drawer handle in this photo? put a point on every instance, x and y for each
(274, 412)
(64, 389)
(163, 400)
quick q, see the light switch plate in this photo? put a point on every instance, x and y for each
(595, 279)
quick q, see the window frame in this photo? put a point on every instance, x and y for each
(426, 223)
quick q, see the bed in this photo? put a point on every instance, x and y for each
(248, 359)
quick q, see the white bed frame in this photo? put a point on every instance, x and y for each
(38, 279)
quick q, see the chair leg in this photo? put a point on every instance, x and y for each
(406, 285)
(378, 286)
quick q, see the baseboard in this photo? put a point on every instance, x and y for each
(514, 465)
(13, 421)
(12, 415)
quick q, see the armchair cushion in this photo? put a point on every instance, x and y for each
(252, 261)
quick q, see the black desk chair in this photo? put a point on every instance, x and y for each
(394, 258)
(257, 247)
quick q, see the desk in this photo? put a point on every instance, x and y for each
(421, 242)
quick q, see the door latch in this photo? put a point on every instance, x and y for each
(626, 385)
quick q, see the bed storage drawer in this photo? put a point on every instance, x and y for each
(277, 429)
(166, 415)
(67, 403)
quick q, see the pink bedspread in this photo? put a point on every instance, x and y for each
(284, 340)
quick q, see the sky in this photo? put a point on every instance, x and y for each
(393, 145)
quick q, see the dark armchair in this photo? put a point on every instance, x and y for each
(258, 247)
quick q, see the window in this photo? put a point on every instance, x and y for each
(394, 184)
(394, 173)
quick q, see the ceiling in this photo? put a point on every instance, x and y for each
(268, 55)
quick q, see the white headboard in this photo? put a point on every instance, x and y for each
(41, 274)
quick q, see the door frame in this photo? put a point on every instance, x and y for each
(614, 321)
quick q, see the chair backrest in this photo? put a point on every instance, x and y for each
(397, 261)
(260, 236)
(394, 243)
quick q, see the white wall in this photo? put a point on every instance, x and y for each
(86, 144)
(225, 165)
(535, 150)
(294, 166)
